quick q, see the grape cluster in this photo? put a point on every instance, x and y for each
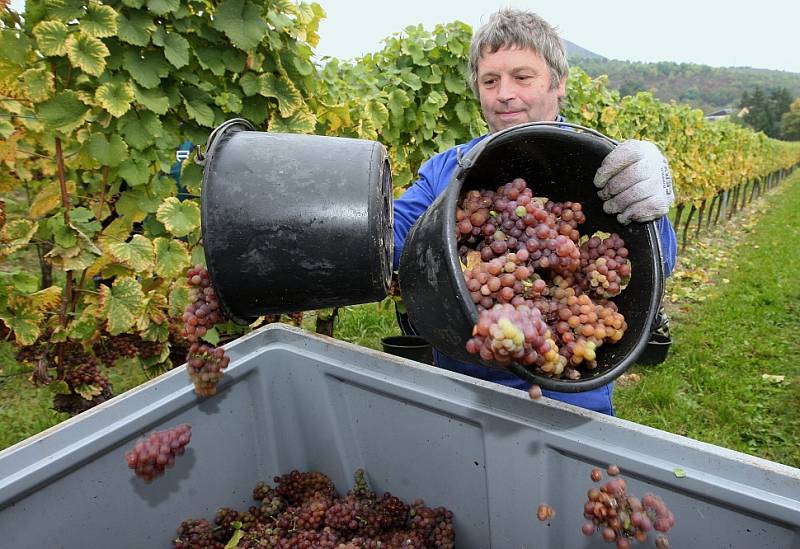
(304, 510)
(203, 311)
(196, 534)
(150, 457)
(541, 289)
(109, 348)
(205, 364)
(605, 269)
(624, 518)
(86, 374)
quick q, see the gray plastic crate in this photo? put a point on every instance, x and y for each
(294, 400)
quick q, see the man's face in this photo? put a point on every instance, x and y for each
(514, 88)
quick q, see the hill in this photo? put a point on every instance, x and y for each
(702, 86)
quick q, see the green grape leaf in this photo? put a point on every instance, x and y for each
(234, 60)
(153, 311)
(172, 257)
(137, 253)
(162, 7)
(176, 50)
(63, 112)
(115, 97)
(378, 112)
(140, 129)
(302, 121)
(51, 37)
(24, 323)
(84, 219)
(65, 10)
(398, 101)
(228, 102)
(254, 109)
(211, 59)
(135, 171)
(121, 304)
(14, 46)
(180, 218)
(241, 21)
(249, 83)
(87, 53)
(154, 100)
(211, 336)
(146, 69)
(99, 20)
(135, 29)
(39, 83)
(133, 3)
(84, 326)
(199, 111)
(289, 98)
(178, 300)
(455, 84)
(108, 151)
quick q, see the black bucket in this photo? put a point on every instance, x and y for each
(560, 163)
(408, 346)
(656, 350)
(295, 222)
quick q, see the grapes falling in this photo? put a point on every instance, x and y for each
(150, 457)
(205, 364)
(541, 289)
(203, 310)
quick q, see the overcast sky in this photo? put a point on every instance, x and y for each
(721, 34)
(759, 34)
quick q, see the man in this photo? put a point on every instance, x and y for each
(518, 71)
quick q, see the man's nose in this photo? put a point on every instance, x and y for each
(505, 90)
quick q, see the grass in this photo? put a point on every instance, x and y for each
(735, 321)
(734, 303)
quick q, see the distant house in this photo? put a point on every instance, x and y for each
(717, 115)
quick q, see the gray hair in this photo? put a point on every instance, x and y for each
(522, 29)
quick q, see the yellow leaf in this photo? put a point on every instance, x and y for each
(47, 299)
(48, 198)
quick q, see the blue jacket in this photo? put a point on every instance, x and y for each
(434, 176)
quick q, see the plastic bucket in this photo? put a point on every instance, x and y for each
(408, 346)
(295, 222)
(559, 162)
(656, 350)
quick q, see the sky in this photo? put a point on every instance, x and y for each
(758, 34)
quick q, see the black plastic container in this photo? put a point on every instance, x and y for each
(295, 222)
(656, 350)
(558, 161)
(408, 346)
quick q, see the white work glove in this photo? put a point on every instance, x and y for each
(635, 182)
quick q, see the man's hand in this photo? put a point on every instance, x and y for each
(635, 182)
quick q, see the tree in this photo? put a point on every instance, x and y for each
(765, 109)
(790, 122)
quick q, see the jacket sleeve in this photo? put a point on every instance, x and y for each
(669, 244)
(411, 205)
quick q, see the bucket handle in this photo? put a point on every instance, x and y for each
(465, 162)
(234, 124)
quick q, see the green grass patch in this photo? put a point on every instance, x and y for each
(740, 324)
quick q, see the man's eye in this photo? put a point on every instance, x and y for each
(489, 82)
(524, 77)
